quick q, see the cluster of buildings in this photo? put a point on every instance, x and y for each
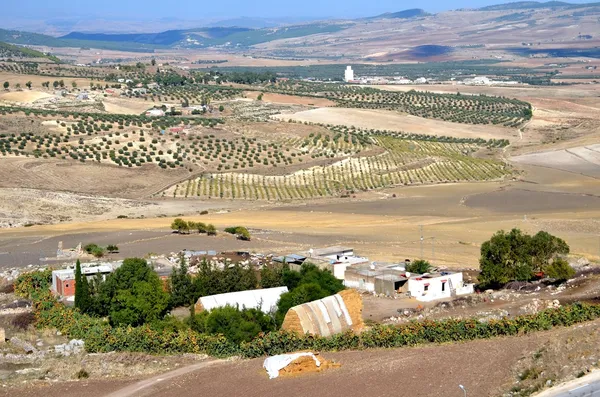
(349, 77)
(355, 271)
(381, 278)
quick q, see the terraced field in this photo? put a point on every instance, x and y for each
(399, 162)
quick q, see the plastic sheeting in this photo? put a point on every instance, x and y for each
(276, 363)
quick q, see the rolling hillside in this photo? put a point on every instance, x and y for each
(14, 51)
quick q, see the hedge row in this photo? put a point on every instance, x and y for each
(99, 336)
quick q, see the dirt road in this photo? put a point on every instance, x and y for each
(146, 386)
(484, 367)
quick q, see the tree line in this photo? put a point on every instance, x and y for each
(134, 295)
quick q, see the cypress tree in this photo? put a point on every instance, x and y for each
(78, 285)
(82, 290)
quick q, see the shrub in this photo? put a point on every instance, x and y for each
(28, 284)
(419, 267)
(23, 320)
(560, 270)
(82, 374)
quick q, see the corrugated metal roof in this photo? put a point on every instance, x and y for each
(331, 250)
(263, 299)
(324, 317)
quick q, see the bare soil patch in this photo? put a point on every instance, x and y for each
(23, 96)
(528, 201)
(394, 121)
(125, 106)
(290, 99)
(70, 176)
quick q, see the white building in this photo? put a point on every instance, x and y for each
(263, 299)
(421, 80)
(155, 113)
(348, 74)
(429, 287)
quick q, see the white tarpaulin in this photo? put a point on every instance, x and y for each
(275, 363)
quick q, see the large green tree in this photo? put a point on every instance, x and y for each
(181, 286)
(515, 256)
(133, 294)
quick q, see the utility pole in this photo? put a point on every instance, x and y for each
(421, 232)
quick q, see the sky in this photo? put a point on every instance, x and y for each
(197, 9)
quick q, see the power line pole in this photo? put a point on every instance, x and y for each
(421, 232)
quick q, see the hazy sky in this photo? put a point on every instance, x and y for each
(191, 9)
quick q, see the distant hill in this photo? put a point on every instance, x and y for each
(15, 51)
(18, 37)
(528, 5)
(164, 38)
(204, 37)
(406, 14)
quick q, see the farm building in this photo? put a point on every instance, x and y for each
(392, 279)
(336, 252)
(155, 113)
(429, 287)
(328, 316)
(292, 259)
(84, 96)
(63, 281)
(379, 278)
(263, 299)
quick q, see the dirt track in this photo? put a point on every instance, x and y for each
(486, 368)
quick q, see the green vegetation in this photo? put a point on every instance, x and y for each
(516, 256)
(100, 336)
(241, 232)
(234, 324)
(419, 267)
(83, 299)
(560, 270)
(457, 108)
(405, 159)
(13, 51)
(185, 227)
(308, 285)
(431, 70)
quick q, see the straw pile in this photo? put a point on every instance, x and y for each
(306, 365)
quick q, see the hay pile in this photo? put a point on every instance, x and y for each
(307, 365)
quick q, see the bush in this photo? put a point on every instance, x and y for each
(23, 320)
(82, 374)
(29, 284)
(560, 270)
(419, 267)
(241, 232)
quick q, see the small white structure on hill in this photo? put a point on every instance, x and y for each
(263, 299)
(348, 74)
(430, 287)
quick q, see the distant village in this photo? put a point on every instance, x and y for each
(350, 78)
